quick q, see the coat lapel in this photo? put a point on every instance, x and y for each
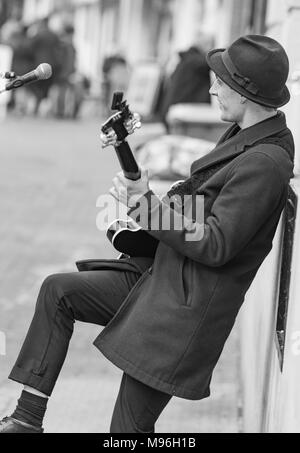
(234, 141)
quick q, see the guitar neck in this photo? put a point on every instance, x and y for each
(127, 161)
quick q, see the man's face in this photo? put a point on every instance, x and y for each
(231, 107)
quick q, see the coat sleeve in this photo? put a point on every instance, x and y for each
(252, 191)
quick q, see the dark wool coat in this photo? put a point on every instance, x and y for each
(171, 329)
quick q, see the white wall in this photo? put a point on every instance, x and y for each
(132, 29)
(186, 16)
(291, 40)
(282, 409)
(257, 328)
(87, 21)
(283, 23)
(271, 397)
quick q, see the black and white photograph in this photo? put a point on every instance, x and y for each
(149, 219)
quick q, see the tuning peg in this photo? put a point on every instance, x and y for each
(137, 120)
(136, 116)
(133, 123)
(108, 139)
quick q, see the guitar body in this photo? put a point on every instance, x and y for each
(128, 238)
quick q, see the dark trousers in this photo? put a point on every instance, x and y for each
(91, 297)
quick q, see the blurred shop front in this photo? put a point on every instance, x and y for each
(138, 30)
(144, 30)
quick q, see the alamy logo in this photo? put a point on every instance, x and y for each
(2, 343)
(174, 213)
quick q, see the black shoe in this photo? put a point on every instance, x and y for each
(12, 425)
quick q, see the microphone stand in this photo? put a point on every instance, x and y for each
(8, 75)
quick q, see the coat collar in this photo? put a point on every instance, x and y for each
(234, 141)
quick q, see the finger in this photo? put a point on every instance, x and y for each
(120, 193)
(117, 183)
(114, 193)
(121, 178)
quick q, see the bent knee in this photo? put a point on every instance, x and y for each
(56, 285)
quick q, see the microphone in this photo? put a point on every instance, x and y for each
(42, 72)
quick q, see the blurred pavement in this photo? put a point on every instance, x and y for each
(51, 174)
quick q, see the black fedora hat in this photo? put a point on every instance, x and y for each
(255, 66)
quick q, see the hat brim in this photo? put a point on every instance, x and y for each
(216, 64)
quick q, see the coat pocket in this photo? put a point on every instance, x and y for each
(187, 281)
(138, 265)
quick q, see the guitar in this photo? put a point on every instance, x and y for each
(125, 235)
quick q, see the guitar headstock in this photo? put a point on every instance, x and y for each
(121, 124)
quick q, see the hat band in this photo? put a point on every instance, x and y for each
(241, 80)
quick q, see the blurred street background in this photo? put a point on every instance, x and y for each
(52, 167)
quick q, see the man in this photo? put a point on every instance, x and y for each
(166, 324)
(63, 87)
(45, 46)
(115, 70)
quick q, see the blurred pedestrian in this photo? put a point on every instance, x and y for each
(80, 86)
(62, 92)
(45, 47)
(190, 81)
(115, 76)
(22, 54)
(70, 86)
(22, 62)
(11, 25)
